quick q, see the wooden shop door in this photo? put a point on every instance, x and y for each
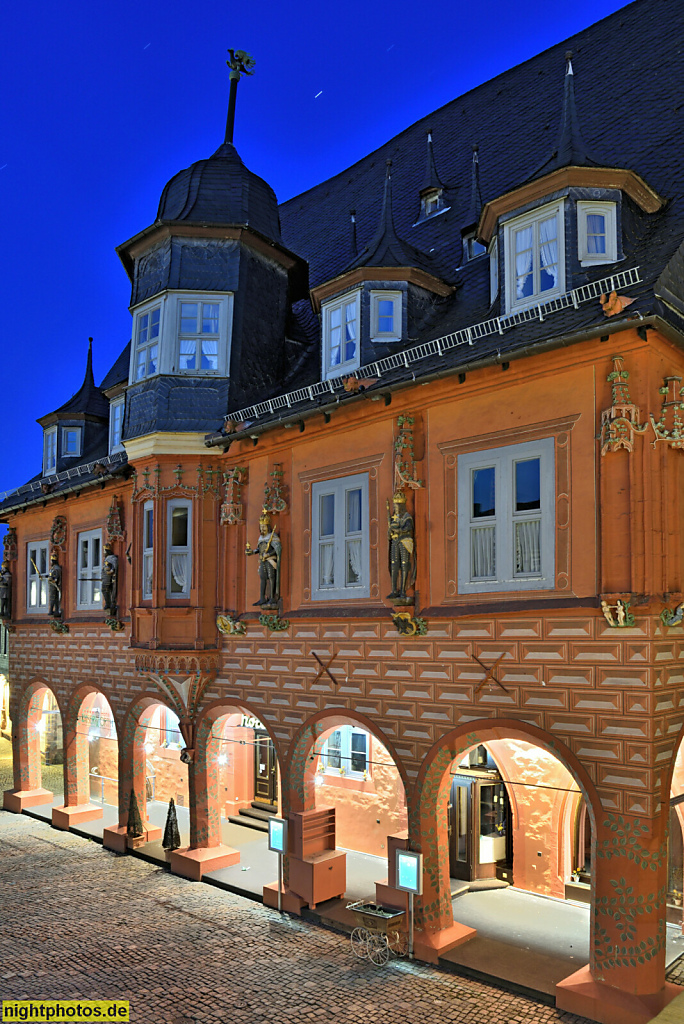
(265, 770)
(460, 830)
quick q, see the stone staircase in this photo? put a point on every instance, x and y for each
(255, 816)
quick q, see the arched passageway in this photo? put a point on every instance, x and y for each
(38, 751)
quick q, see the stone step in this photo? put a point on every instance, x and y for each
(255, 823)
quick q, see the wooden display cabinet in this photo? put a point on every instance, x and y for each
(318, 871)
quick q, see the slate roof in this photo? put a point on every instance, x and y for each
(118, 374)
(221, 190)
(88, 400)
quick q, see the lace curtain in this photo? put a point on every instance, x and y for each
(528, 546)
(548, 250)
(179, 569)
(523, 260)
(353, 561)
(327, 564)
(482, 546)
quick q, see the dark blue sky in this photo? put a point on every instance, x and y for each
(103, 102)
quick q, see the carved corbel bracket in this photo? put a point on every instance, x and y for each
(57, 626)
(231, 507)
(407, 625)
(621, 421)
(669, 426)
(274, 623)
(672, 617)
(230, 626)
(617, 615)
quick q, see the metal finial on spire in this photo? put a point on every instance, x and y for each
(475, 208)
(570, 149)
(431, 179)
(568, 60)
(240, 63)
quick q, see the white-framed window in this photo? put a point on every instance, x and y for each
(178, 548)
(116, 414)
(534, 257)
(386, 316)
(340, 563)
(431, 202)
(148, 550)
(198, 336)
(89, 591)
(472, 247)
(596, 233)
(506, 518)
(37, 568)
(346, 751)
(50, 451)
(493, 269)
(341, 335)
(147, 332)
(71, 442)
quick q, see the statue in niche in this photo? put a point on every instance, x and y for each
(110, 581)
(5, 591)
(268, 549)
(55, 587)
(401, 548)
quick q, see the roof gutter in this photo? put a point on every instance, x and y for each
(563, 341)
(44, 498)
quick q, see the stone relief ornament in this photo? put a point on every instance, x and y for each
(407, 625)
(405, 469)
(10, 549)
(268, 550)
(231, 507)
(58, 532)
(114, 524)
(620, 423)
(669, 426)
(401, 549)
(229, 626)
(674, 617)
(274, 623)
(618, 614)
(274, 501)
(5, 591)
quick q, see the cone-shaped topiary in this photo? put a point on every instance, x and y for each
(172, 839)
(134, 829)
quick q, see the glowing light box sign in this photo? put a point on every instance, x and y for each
(410, 872)
(277, 835)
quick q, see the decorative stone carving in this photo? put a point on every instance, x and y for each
(401, 549)
(114, 524)
(5, 591)
(405, 469)
(670, 413)
(274, 623)
(617, 615)
(185, 695)
(269, 550)
(407, 625)
(58, 533)
(620, 423)
(231, 507)
(674, 617)
(274, 501)
(229, 626)
(10, 549)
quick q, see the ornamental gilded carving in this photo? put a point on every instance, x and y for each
(620, 422)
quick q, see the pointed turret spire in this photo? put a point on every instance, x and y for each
(89, 380)
(475, 208)
(431, 178)
(570, 149)
(386, 248)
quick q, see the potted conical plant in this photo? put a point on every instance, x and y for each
(135, 833)
(172, 839)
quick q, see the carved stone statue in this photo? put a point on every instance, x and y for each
(55, 587)
(401, 547)
(268, 549)
(110, 581)
(5, 591)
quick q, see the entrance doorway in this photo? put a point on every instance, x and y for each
(265, 770)
(480, 832)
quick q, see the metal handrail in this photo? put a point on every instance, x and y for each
(108, 778)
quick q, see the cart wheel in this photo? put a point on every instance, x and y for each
(398, 942)
(359, 942)
(378, 951)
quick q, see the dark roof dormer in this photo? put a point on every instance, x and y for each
(87, 403)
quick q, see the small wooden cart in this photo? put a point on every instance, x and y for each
(380, 932)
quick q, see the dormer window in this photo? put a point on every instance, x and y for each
(116, 411)
(341, 335)
(50, 451)
(386, 316)
(147, 343)
(431, 202)
(596, 233)
(473, 248)
(535, 269)
(71, 442)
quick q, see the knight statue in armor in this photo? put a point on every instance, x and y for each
(110, 581)
(5, 591)
(268, 549)
(401, 547)
(55, 587)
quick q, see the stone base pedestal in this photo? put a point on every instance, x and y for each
(290, 901)
(16, 800)
(431, 945)
(115, 838)
(193, 864)
(65, 817)
(583, 995)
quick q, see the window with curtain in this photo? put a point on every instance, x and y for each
(198, 334)
(506, 518)
(37, 568)
(347, 752)
(89, 593)
(148, 550)
(341, 352)
(147, 343)
(116, 411)
(178, 548)
(50, 451)
(535, 268)
(340, 553)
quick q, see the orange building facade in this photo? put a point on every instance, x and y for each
(516, 711)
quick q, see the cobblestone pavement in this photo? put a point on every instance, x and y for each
(81, 922)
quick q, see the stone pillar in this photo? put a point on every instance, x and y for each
(132, 771)
(77, 806)
(28, 791)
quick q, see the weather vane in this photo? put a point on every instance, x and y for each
(240, 63)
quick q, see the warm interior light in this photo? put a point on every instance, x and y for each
(222, 759)
(149, 747)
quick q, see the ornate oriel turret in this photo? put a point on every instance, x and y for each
(211, 288)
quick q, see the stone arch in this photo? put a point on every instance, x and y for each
(76, 745)
(26, 736)
(132, 759)
(428, 811)
(205, 814)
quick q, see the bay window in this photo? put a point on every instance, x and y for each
(178, 548)
(116, 411)
(506, 518)
(198, 336)
(148, 550)
(147, 343)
